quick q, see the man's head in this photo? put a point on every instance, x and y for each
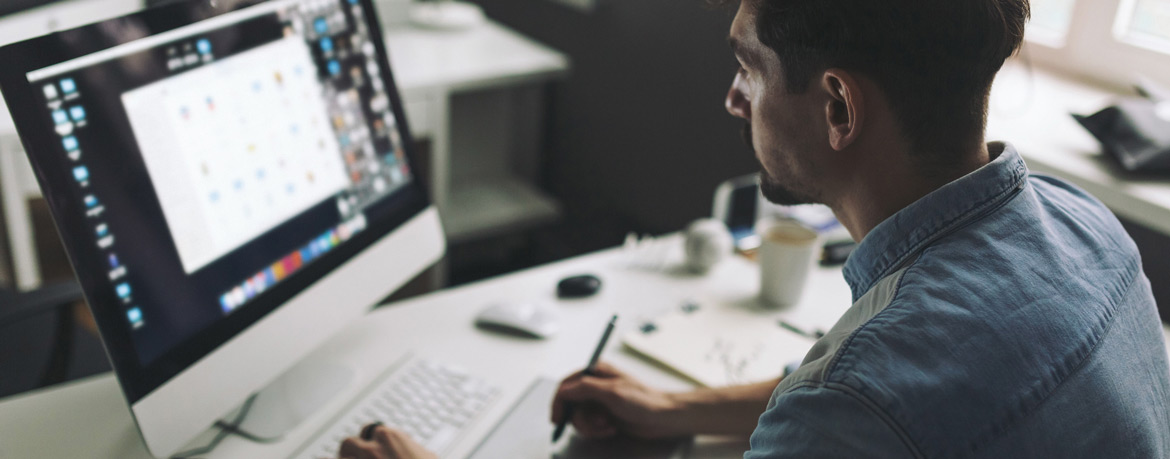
(822, 81)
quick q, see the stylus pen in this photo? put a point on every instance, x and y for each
(589, 371)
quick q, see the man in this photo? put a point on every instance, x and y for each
(997, 313)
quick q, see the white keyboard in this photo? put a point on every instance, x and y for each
(433, 403)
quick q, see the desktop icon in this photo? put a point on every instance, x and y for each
(288, 264)
(260, 282)
(123, 291)
(174, 62)
(114, 261)
(60, 117)
(135, 317)
(327, 45)
(51, 92)
(68, 86)
(103, 230)
(77, 113)
(203, 46)
(81, 173)
(249, 290)
(321, 26)
(93, 207)
(70, 143)
(117, 273)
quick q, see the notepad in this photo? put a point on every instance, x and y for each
(719, 345)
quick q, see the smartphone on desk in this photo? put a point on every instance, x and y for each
(737, 204)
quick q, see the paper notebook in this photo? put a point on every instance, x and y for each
(719, 345)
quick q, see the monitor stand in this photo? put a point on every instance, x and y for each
(293, 397)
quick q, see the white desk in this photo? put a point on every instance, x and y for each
(89, 419)
(1032, 111)
(494, 136)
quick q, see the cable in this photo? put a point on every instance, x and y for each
(225, 429)
(236, 430)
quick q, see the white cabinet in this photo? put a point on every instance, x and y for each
(479, 96)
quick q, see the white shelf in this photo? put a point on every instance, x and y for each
(486, 56)
(1032, 111)
(493, 206)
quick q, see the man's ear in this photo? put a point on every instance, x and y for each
(844, 109)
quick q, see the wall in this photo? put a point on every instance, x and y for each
(638, 131)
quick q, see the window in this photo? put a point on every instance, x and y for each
(1145, 23)
(1050, 21)
(1110, 41)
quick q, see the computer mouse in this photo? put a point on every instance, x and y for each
(578, 286)
(531, 320)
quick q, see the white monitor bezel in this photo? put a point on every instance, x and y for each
(253, 359)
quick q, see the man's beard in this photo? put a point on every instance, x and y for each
(770, 187)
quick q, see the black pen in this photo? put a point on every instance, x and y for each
(589, 371)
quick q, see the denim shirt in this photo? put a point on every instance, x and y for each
(1003, 315)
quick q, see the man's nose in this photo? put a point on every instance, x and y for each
(736, 103)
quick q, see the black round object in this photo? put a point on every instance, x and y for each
(578, 286)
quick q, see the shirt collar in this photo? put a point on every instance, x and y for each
(897, 239)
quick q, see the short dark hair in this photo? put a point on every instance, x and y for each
(934, 59)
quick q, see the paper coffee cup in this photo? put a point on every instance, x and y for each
(785, 256)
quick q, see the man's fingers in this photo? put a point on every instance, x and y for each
(593, 421)
(390, 439)
(358, 449)
(588, 389)
(595, 389)
(606, 370)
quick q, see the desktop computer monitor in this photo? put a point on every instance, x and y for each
(233, 181)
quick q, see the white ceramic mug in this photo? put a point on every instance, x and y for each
(785, 256)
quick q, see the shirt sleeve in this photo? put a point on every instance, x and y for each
(824, 422)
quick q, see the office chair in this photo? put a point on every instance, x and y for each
(18, 309)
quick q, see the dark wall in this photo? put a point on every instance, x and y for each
(1155, 249)
(638, 129)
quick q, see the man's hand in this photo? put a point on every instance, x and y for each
(385, 443)
(609, 402)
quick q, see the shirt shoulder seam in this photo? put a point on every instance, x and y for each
(845, 347)
(889, 422)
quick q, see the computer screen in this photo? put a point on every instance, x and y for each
(218, 164)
